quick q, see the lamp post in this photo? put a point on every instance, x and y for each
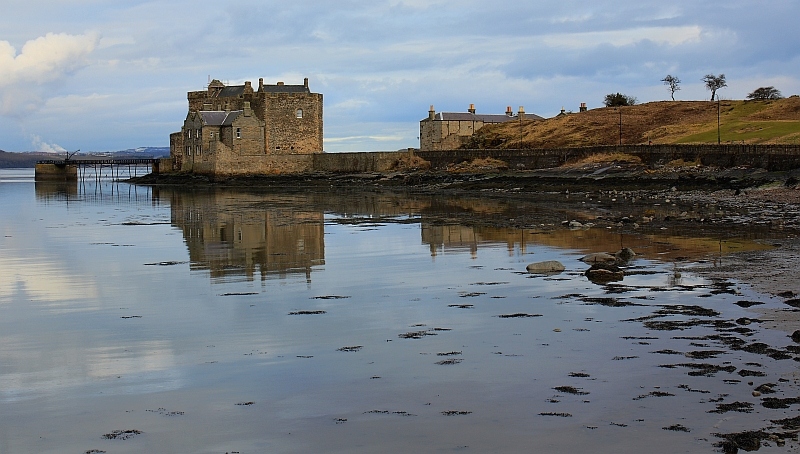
(719, 136)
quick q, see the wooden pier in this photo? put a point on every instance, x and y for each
(80, 169)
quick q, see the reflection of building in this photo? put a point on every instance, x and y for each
(459, 238)
(249, 235)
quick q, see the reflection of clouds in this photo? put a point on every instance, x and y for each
(31, 372)
(42, 280)
(143, 358)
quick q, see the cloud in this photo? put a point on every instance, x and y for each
(25, 76)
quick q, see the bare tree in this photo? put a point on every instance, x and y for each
(764, 93)
(673, 83)
(714, 83)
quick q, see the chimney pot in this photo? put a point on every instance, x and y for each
(471, 108)
(521, 112)
(431, 113)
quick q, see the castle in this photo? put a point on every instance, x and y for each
(236, 129)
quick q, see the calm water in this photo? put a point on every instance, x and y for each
(217, 321)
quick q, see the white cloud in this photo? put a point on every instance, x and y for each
(24, 76)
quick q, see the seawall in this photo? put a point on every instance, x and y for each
(768, 157)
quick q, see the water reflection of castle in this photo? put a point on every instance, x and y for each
(246, 236)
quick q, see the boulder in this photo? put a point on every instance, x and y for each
(625, 254)
(796, 336)
(603, 273)
(598, 257)
(547, 267)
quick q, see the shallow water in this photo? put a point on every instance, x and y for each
(219, 321)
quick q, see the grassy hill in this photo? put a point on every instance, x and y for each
(664, 122)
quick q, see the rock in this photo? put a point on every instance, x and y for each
(547, 267)
(598, 257)
(602, 273)
(796, 336)
(625, 254)
(756, 394)
(575, 225)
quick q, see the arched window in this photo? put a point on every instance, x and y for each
(299, 113)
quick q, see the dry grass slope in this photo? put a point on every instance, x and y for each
(665, 122)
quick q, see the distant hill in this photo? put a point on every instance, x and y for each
(665, 122)
(29, 159)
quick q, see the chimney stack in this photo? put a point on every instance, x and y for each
(305, 82)
(246, 109)
(471, 108)
(583, 107)
(521, 113)
(280, 84)
(260, 84)
(509, 112)
(431, 113)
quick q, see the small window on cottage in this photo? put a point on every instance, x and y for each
(238, 133)
(299, 113)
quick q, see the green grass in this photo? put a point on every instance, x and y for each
(748, 131)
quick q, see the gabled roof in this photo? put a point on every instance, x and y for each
(285, 89)
(219, 118)
(231, 91)
(485, 118)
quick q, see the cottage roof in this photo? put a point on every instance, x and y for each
(485, 118)
(218, 117)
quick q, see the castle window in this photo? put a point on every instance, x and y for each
(238, 133)
(299, 113)
(189, 134)
(188, 150)
(197, 133)
(197, 150)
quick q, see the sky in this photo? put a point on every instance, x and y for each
(107, 75)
